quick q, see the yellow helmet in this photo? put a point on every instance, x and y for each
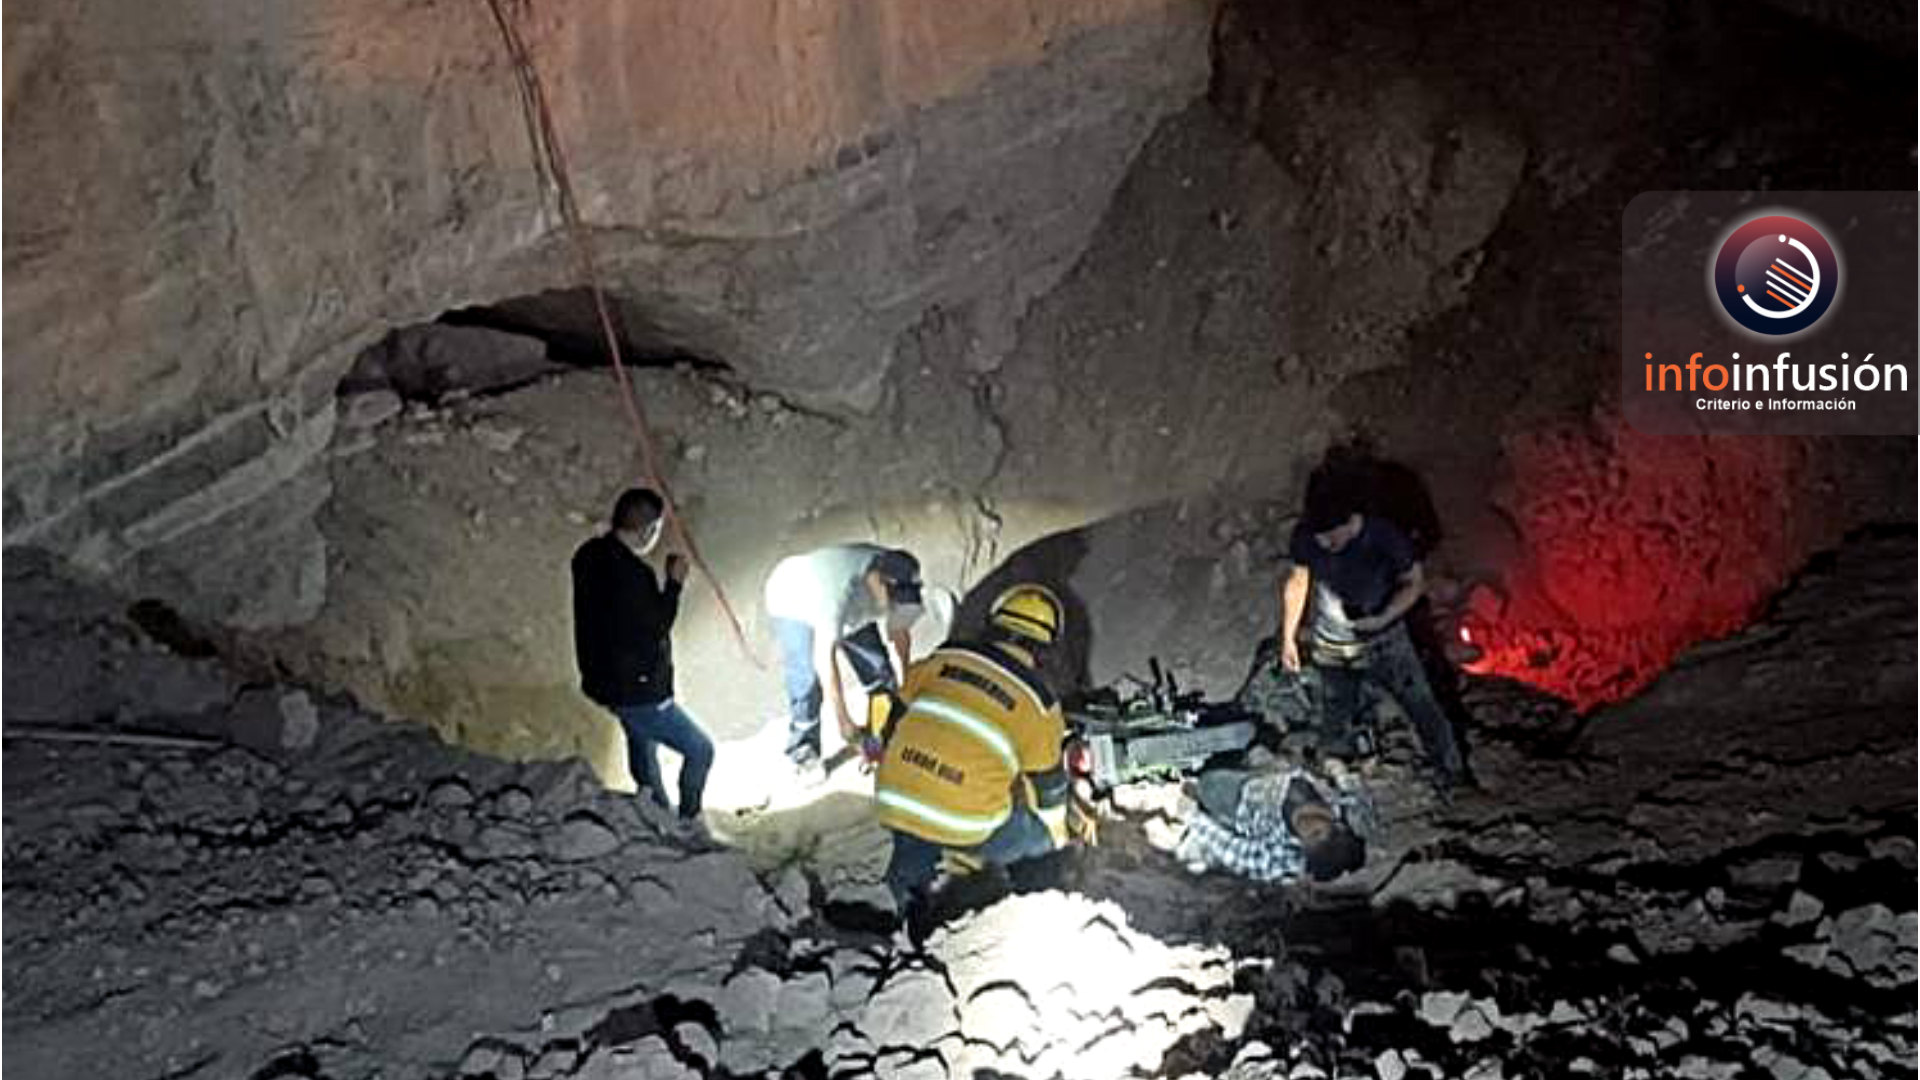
(1030, 611)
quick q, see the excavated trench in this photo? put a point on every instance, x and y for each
(1393, 262)
(299, 781)
(259, 898)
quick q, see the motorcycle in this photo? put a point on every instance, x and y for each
(1157, 731)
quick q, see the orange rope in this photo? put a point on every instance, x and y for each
(549, 153)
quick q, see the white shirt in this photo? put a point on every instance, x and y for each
(825, 588)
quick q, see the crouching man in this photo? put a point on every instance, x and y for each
(972, 762)
(1278, 824)
(821, 600)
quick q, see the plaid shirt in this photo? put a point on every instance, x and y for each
(1258, 844)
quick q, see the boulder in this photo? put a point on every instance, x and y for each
(581, 837)
(1874, 944)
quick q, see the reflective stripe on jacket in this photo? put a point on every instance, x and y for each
(976, 721)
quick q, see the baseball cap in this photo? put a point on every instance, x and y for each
(902, 572)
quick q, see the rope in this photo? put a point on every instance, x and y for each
(550, 160)
(43, 733)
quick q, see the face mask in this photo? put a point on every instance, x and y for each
(651, 537)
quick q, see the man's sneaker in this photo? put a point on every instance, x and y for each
(917, 922)
(1357, 746)
(1467, 780)
(1364, 744)
(692, 833)
(809, 771)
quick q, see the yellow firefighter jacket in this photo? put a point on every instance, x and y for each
(977, 721)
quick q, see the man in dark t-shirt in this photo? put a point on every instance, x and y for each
(1360, 575)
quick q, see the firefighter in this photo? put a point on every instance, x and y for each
(972, 763)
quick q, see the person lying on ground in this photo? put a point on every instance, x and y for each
(1279, 823)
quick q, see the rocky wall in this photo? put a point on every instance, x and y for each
(1136, 446)
(1138, 436)
(214, 211)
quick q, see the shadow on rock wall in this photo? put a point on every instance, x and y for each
(1051, 562)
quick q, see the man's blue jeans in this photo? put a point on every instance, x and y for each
(804, 693)
(916, 862)
(1390, 663)
(666, 724)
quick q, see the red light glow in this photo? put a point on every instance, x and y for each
(1634, 546)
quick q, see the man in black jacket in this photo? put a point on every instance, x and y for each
(622, 627)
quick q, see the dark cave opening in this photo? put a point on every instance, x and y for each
(568, 323)
(488, 349)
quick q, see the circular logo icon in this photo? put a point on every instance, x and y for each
(1776, 275)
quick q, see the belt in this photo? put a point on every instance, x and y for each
(1339, 653)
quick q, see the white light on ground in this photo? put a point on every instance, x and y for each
(1069, 984)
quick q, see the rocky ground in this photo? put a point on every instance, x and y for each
(210, 874)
